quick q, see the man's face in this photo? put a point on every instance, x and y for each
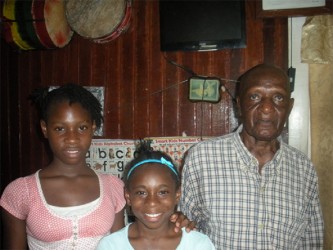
(265, 104)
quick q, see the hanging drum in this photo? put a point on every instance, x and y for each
(36, 24)
(54, 31)
(10, 27)
(98, 20)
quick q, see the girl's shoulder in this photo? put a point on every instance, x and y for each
(195, 240)
(22, 182)
(19, 195)
(116, 240)
(113, 190)
(109, 178)
(193, 234)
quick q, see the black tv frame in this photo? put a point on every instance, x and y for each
(168, 28)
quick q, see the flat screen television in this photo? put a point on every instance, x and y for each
(202, 25)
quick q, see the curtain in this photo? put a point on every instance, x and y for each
(317, 51)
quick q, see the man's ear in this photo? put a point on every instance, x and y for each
(127, 197)
(238, 108)
(44, 128)
(291, 105)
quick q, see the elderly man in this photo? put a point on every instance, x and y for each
(249, 189)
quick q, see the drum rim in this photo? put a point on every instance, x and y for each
(9, 8)
(24, 17)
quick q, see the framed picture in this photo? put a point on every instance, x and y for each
(98, 92)
(289, 8)
(204, 89)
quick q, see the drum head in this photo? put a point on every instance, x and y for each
(121, 28)
(94, 18)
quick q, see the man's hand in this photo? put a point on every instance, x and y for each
(181, 221)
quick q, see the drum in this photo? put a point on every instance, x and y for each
(36, 24)
(98, 20)
(11, 27)
(26, 28)
(54, 31)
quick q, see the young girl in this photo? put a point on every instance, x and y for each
(65, 205)
(152, 190)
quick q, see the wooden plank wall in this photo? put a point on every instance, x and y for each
(144, 94)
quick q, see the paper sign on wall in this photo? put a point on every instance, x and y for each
(111, 156)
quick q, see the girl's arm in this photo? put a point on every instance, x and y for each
(119, 222)
(14, 231)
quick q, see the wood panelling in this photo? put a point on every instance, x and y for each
(145, 95)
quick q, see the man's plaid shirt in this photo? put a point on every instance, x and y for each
(239, 209)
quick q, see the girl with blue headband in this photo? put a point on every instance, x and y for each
(152, 190)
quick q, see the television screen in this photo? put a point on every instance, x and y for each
(202, 25)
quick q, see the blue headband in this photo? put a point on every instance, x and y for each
(161, 161)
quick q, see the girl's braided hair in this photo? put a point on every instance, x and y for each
(72, 93)
(144, 152)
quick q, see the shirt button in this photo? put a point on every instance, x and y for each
(261, 226)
